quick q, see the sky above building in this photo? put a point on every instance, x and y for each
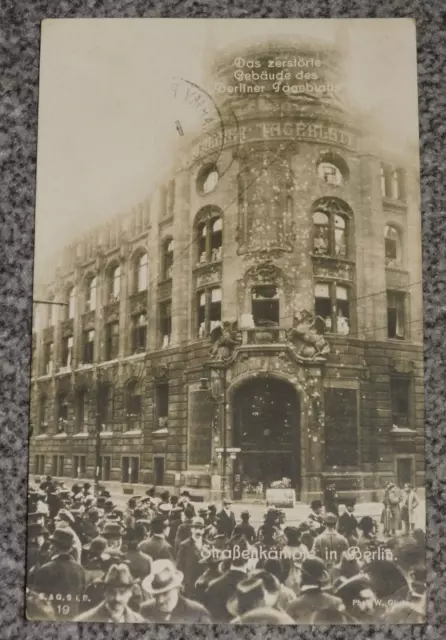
(107, 111)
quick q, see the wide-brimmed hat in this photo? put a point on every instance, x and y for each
(264, 615)
(97, 546)
(197, 523)
(118, 575)
(314, 571)
(165, 508)
(105, 494)
(349, 588)
(388, 579)
(316, 504)
(64, 514)
(252, 592)
(62, 538)
(112, 530)
(163, 577)
(185, 494)
(227, 501)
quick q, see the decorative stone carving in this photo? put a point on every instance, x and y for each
(264, 272)
(307, 337)
(88, 320)
(327, 267)
(160, 371)
(208, 274)
(111, 312)
(138, 302)
(401, 366)
(225, 338)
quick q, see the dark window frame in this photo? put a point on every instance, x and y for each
(111, 340)
(335, 326)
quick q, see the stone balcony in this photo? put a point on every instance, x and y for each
(264, 335)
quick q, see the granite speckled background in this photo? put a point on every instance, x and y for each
(19, 58)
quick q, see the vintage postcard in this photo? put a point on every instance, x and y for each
(227, 420)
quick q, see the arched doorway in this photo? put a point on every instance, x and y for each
(266, 427)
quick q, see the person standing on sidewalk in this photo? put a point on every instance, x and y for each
(409, 503)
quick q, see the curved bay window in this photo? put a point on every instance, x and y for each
(208, 310)
(90, 294)
(330, 228)
(167, 258)
(392, 243)
(140, 273)
(210, 237)
(114, 283)
(133, 405)
(331, 303)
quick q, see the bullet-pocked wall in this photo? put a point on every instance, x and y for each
(284, 206)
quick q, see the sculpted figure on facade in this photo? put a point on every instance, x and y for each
(225, 338)
(307, 336)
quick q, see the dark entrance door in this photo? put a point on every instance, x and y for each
(266, 429)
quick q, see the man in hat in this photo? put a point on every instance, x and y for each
(211, 564)
(189, 556)
(183, 531)
(87, 490)
(316, 519)
(221, 589)
(330, 544)
(166, 604)
(185, 501)
(66, 520)
(227, 518)
(92, 559)
(62, 575)
(112, 532)
(157, 546)
(174, 520)
(244, 528)
(359, 599)
(118, 584)
(35, 542)
(90, 523)
(258, 592)
(312, 596)
(138, 562)
(347, 523)
(331, 499)
(129, 516)
(409, 503)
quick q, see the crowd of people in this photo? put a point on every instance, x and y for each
(165, 559)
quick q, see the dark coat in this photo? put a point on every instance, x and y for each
(218, 593)
(173, 528)
(186, 611)
(228, 522)
(183, 533)
(139, 563)
(157, 548)
(347, 525)
(247, 530)
(188, 557)
(62, 575)
(311, 601)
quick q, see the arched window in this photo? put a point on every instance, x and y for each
(114, 283)
(90, 294)
(207, 179)
(167, 258)
(330, 227)
(332, 169)
(141, 268)
(392, 243)
(209, 233)
(133, 405)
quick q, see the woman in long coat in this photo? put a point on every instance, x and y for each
(391, 514)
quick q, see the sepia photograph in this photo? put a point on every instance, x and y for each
(227, 386)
